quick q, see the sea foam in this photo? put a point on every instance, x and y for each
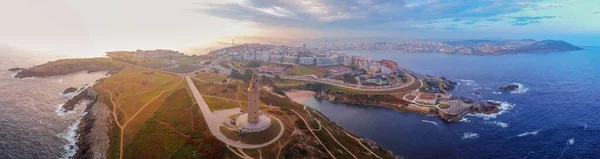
(522, 89)
(431, 122)
(71, 137)
(498, 123)
(533, 133)
(468, 82)
(470, 136)
(465, 120)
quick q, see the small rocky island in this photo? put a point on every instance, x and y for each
(69, 90)
(510, 87)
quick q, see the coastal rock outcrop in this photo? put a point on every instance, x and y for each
(86, 94)
(437, 85)
(16, 69)
(510, 87)
(486, 107)
(69, 90)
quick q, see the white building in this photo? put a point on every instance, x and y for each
(263, 57)
(346, 60)
(238, 57)
(335, 59)
(307, 60)
(290, 59)
(323, 61)
(249, 56)
(277, 58)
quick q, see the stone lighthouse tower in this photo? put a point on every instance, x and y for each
(252, 120)
(253, 99)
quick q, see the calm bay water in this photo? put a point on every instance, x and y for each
(30, 126)
(555, 115)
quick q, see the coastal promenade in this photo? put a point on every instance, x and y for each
(215, 120)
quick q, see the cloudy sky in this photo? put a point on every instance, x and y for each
(92, 26)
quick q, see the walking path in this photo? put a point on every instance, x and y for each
(357, 140)
(315, 135)
(332, 137)
(215, 119)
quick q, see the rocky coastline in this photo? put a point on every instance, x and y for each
(92, 132)
(382, 101)
(431, 85)
(85, 94)
(68, 66)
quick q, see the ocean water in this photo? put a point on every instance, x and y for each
(30, 125)
(554, 115)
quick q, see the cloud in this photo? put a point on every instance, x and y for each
(526, 20)
(373, 15)
(493, 20)
(596, 12)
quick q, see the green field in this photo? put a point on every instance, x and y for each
(216, 104)
(283, 83)
(297, 70)
(176, 130)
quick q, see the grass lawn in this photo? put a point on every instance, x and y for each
(228, 91)
(176, 130)
(297, 70)
(216, 104)
(443, 106)
(282, 83)
(184, 68)
(218, 78)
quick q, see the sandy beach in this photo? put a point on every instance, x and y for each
(299, 96)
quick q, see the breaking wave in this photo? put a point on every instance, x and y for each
(571, 141)
(522, 89)
(60, 111)
(468, 82)
(470, 136)
(71, 137)
(504, 107)
(499, 124)
(494, 92)
(529, 133)
(465, 120)
(431, 122)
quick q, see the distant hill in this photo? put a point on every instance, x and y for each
(545, 46)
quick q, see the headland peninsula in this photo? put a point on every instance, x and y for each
(165, 104)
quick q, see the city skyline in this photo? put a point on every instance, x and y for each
(92, 28)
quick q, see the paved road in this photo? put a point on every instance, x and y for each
(412, 80)
(215, 119)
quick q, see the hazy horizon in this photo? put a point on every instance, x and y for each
(94, 27)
